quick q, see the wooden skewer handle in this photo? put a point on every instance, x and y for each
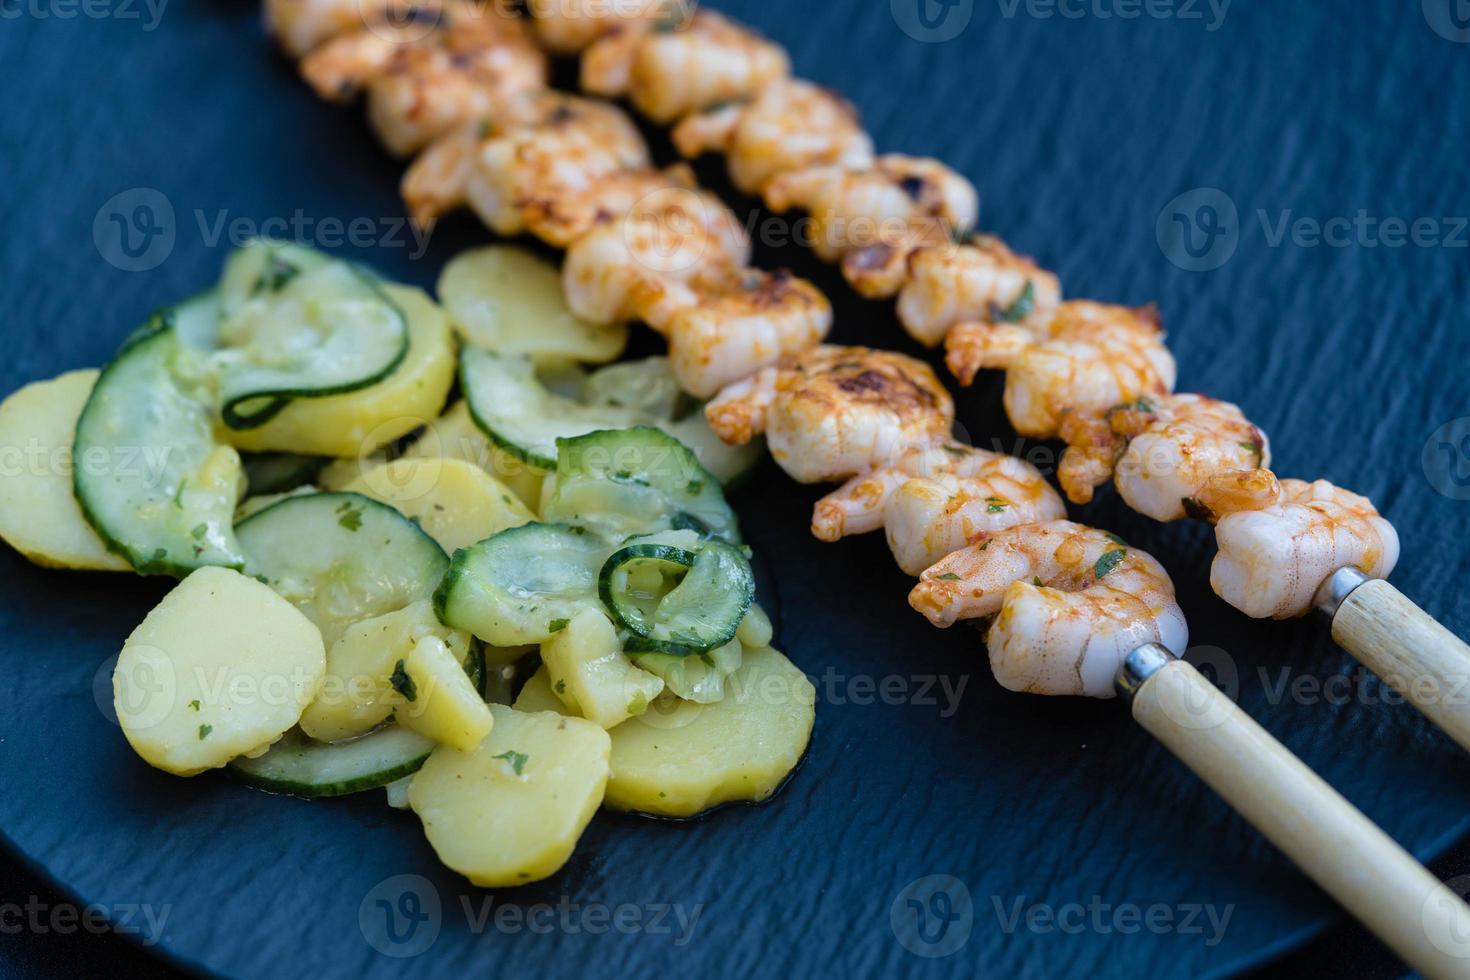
(1410, 651)
(1340, 849)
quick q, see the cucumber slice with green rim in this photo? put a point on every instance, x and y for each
(700, 613)
(147, 471)
(523, 584)
(299, 766)
(635, 481)
(341, 558)
(320, 331)
(514, 408)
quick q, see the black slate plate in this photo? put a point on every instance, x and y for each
(1080, 131)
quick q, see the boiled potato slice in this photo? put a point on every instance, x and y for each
(356, 694)
(680, 759)
(458, 503)
(507, 300)
(589, 671)
(220, 668)
(456, 436)
(437, 699)
(39, 515)
(360, 423)
(511, 810)
(537, 695)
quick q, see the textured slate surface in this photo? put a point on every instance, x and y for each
(1079, 132)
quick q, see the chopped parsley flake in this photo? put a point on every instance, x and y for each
(349, 516)
(194, 704)
(995, 505)
(948, 577)
(200, 530)
(204, 731)
(557, 625)
(403, 683)
(516, 759)
(1108, 562)
(1022, 306)
(1115, 539)
(561, 687)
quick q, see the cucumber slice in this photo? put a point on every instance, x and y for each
(520, 415)
(299, 766)
(316, 332)
(341, 558)
(508, 300)
(636, 481)
(700, 613)
(147, 470)
(523, 584)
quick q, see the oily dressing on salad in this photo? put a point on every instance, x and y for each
(507, 612)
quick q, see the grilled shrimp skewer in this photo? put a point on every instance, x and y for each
(1069, 603)
(1160, 451)
(423, 82)
(569, 26)
(831, 413)
(932, 501)
(1088, 357)
(669, 70)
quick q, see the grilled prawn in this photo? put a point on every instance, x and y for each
(547, 158)
(1280, 540)
(893, 202)
(833, 412)
(790, 125)
(1088, 357)
(1069, 603)
(422, 83)
(933, 500)
(628, 267)
(568, 26)
(668, 69)
(1159, 451)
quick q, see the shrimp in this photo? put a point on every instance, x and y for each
(932, 501)
(724, 329)
(1070, 603)
(674, 234)
(1276, 553)
(1088, 357)
(668, 71)
(979, 280)
(830, 413)
(424, 83)
(298, 26)
(567, 26)
(790, 125)
(1159, 451)
(538, 163)
(884, 203)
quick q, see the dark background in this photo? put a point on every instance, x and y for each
(1082, 132)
